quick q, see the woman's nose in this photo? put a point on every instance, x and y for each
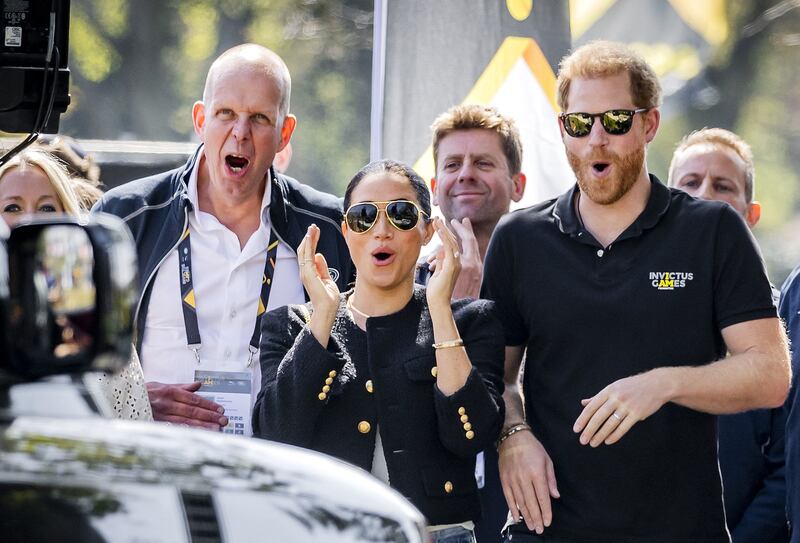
(382, 227)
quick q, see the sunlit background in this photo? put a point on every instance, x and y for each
(138, 65)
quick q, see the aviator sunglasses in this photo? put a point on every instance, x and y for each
(402, 214)
(615, 121)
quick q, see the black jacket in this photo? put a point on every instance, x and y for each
(156, 209)
(386, 378)
(753, 466)
(790, 313)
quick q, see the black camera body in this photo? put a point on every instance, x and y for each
(67, 292)
(34, 76)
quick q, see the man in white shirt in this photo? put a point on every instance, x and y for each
(223, 229)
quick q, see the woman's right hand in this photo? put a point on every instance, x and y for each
(321, 288)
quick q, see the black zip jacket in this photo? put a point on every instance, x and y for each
(156, 209)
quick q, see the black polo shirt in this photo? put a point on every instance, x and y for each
(659, 295)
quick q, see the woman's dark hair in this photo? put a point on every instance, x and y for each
(392, 167)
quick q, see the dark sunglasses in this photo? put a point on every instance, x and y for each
(615, 121)
(402, 214)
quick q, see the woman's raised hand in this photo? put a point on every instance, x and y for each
(446, 265)
(321, 288)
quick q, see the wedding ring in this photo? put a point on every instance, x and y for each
(456, 254)
(616, 416)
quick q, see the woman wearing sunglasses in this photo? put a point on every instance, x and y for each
(389, 376)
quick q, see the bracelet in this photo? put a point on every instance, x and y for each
(447, 344)
(521, 427)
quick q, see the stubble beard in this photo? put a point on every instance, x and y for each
(610, 190)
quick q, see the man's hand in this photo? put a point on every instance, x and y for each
(613, 411)
(180, 405)
(528, 479)
(468, 284)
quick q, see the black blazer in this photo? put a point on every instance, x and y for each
(386, 379)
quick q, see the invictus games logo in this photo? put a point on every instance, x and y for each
(670, 280)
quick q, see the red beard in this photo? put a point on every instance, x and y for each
(606, 191)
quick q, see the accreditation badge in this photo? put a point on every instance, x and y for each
(232, 390)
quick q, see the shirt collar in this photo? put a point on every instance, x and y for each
(194, 198)
(658, 202)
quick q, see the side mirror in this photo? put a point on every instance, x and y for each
(72, 289)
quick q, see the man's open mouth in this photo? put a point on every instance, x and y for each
(236, 163)
(381, 256)
(600, 167)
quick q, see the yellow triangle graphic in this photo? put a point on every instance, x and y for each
(492, 79)
(189, 298)
(261, 307)
(708, 18)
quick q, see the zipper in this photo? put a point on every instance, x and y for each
(153, 273)
(312, 214)
(277, 235)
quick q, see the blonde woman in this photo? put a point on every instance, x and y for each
(35, 182)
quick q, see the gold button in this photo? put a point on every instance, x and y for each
(464, 418)
(434, 371)
(364, 427)
(329, 381)
(448, 487)
(326, 389)
(467, 426)
(470, 434)
(322, 396)
(332, 373)
(462, 411)
(368, 384)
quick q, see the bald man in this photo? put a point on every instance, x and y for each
(716, 164)
(216, 242)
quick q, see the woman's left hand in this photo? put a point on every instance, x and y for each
(447, 266)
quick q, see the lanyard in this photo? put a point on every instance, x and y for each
(189, 302)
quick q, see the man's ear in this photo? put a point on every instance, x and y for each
(560, 122)
(199, 118)
(433, 191)
(518, 186)
(652, 119)
(289, 124)
(753, 213)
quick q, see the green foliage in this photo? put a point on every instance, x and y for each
(94, 55)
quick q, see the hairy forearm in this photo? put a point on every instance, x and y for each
(515, 410)
(749, 380)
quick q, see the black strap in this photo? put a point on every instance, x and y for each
(190, 304)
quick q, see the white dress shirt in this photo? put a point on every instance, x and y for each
(227, 285)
